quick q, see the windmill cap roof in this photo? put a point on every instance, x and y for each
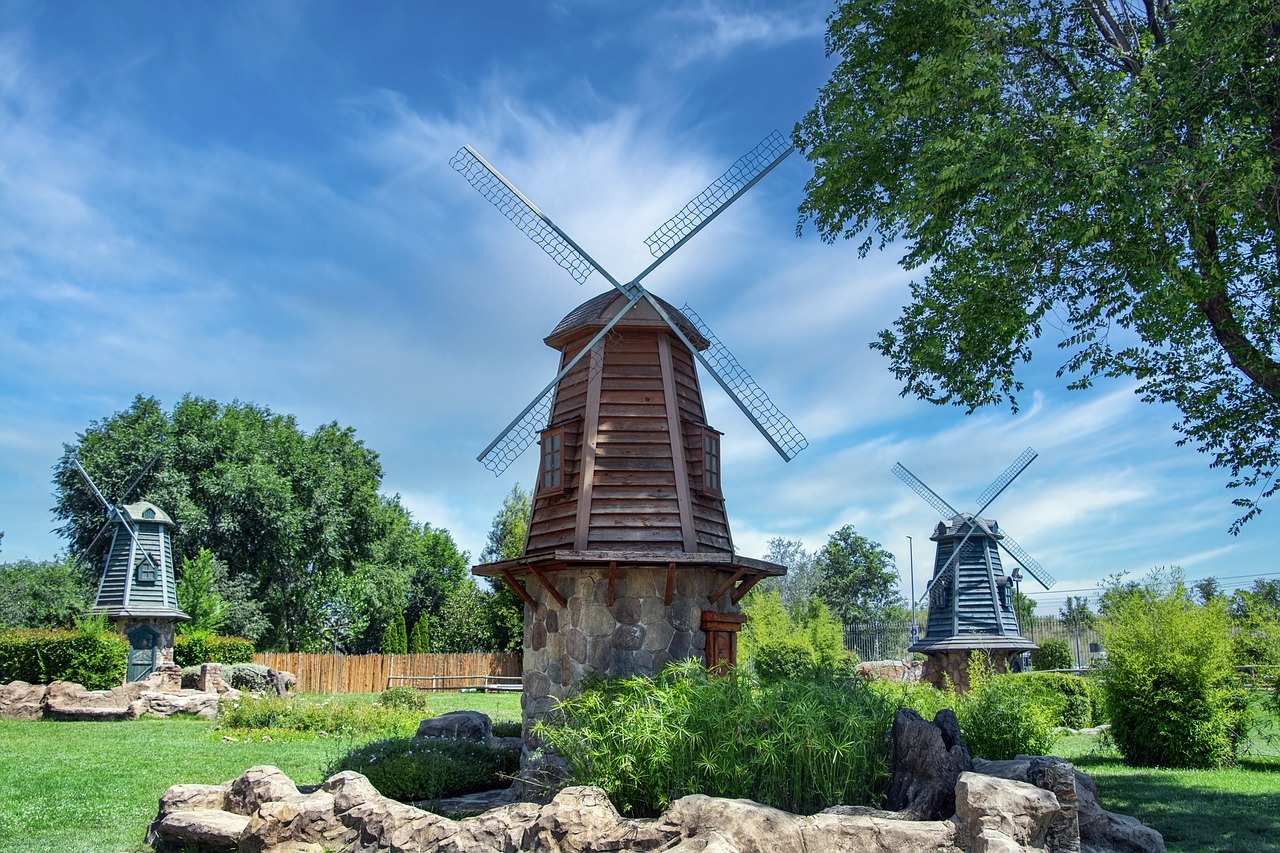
(959, 525)
(148, 512)
(599, 310)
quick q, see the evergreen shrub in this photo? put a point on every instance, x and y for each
(201, 647)
(94, 658)
(1054, 653)
(252, 677)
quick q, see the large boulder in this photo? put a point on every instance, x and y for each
(928, 758)
(459, 725)
(22, 701)
(67, 700)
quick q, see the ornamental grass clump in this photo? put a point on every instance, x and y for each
(801, 745)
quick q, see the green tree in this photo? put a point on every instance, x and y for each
(46, 594)
(1255, 619)
(1075, 167)
(857, 578)
(778, 645)
(291, 511)
(502, 609)
(800, 582)
(395, 639)
(420, 636)
(1024, 608)
(1075, 612)
(198, 595)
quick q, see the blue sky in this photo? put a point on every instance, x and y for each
(253, 201)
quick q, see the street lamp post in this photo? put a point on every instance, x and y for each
(911, 560)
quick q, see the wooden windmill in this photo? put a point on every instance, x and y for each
(137, 590)
(970, 595)
(629, 561)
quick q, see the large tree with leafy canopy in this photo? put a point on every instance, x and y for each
(1106, 172)
(294, 511)
(858, 579)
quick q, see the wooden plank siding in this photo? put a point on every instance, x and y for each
(373, 673)
(627, 471)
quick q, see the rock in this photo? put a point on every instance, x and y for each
(928, 759)
(184, 702)
(1100, 831)
(22, 701)
(66, 700)
(458, 725)
(258, 785)
(891, 670)
(1001, 814)
(205, 829)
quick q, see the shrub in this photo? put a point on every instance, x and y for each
(405, 697)
(340, 717)
(778, 644)
(96, 659)
(409, 769)
(1169, 678)
(253, 677)
(1053, 653)
(801, 744)
(507, 728)
(1006, 715)
(1080, 696)
(200, 647)
(190, 677)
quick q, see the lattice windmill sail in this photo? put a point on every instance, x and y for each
(776, 427)
(970, 595)
(137, 590)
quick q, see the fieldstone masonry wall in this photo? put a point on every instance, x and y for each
(163, 627)
(954, 665)
(639, 634)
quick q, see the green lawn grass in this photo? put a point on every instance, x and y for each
(94, 787)
(1197, 811)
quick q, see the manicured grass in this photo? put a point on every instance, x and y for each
(1197, 811)
(94, 787)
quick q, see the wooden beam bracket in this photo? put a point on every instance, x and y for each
(613, 578)
(510, 580)
(724, 587)
(550, 587)
(745, 587)
(671, 584)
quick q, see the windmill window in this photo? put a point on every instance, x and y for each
(710, 461)
(551, 471)
(146, 570)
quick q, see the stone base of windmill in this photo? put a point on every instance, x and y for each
(618, 624)
(951, 668)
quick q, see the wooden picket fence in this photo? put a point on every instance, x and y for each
(375, 673)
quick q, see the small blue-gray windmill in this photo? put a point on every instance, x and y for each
(137, 590)
(970, 596)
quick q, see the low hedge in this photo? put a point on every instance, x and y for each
(195, 649)
(96, 660)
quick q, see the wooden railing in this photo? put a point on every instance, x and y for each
(375, 673)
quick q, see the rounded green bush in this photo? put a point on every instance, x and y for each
(1054, 653)
(1080, 696)
(202, 647)
(405, 697)
(1006, 715)
(411, 769)
(253, 677)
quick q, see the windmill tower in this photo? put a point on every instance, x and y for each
(137, 591)
(970, 595)
(629, 561)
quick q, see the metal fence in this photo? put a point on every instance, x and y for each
(890, 640)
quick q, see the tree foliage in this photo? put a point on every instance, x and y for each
(198, 595)
(310, 556)
(1104, 172)
(857, 578)
(45, 594)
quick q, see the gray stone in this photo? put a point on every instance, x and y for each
(681, 642)
(628, 637)
(553, 621)
(599, 653)
(538, 636)
(458, 725)
(928, 759)
(193, 702)
(597, 621)
(994, 812)
(258, 785)
(575, 645)
(627, 610)
(204, 829)
(680, 614)
(658, 634)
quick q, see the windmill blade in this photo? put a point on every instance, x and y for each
(712, 201)
(106, 504)
(931, 497)
(1001, 483)
(138, 479)
(525, 215)
(776, 427)
(518, 435)
(1031, 564)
